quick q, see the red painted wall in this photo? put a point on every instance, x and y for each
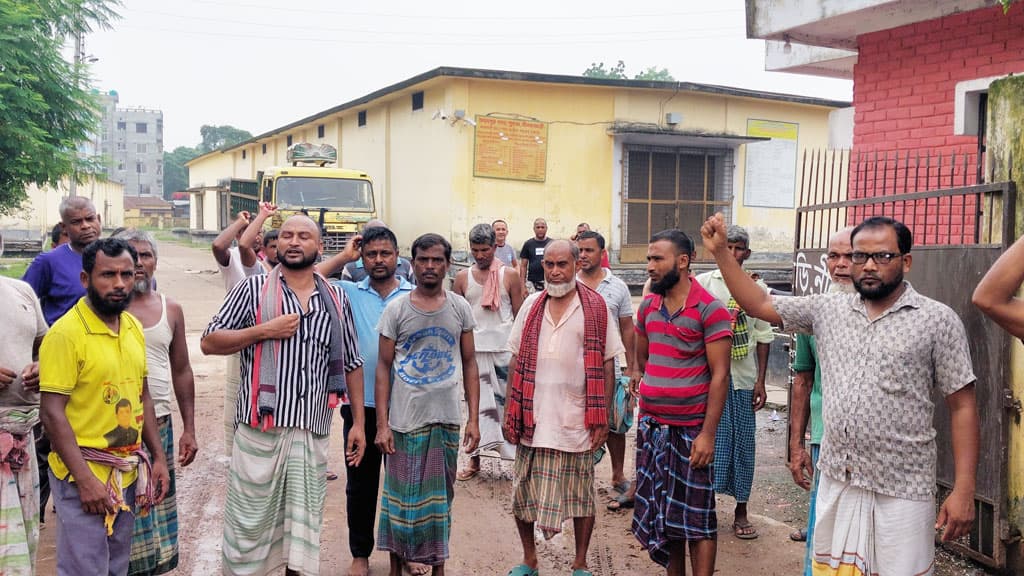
(904, 92)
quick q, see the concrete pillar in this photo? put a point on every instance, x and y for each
(1005, 162)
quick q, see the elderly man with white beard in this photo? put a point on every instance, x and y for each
(563, 376)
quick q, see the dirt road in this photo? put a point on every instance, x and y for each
(483, 539)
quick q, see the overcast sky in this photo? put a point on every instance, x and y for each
(260, 64)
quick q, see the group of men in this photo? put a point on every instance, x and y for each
(96, 363)
(86, 382)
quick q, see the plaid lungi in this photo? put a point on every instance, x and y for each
(674, 502)
(419, 486)
(155, 536)
(550, 486)
(735, 447)
(275, 503)
(19, 503)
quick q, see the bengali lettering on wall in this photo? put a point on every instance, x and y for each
(510, 148)
(811, 277)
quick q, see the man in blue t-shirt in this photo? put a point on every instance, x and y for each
(56, 275)
(56, 278)
(378, 255)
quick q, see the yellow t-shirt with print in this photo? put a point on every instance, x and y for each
(101, 372)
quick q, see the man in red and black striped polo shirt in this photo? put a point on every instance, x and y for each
(683, 341)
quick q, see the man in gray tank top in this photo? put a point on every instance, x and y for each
(155, 538)
(495, 293)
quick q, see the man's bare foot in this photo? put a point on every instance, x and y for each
(359, 567)
(417, 569)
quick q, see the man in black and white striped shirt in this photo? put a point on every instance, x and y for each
(298, 350)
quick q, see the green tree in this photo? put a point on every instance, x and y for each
(215, 137)
(597, 70)
(653, 73)
(175, 171)
(46, 109)
(618, 72)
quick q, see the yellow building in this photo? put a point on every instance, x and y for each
(41, 209)
(454, 147)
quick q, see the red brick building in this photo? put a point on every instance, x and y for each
(920, 74)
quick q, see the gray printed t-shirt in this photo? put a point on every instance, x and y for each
(427, 369)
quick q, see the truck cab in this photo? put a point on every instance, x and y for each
(340, 200)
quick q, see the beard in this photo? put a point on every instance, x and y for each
(662, 286)
(307, 261)
(142, 286)
(841, 288)
(107, 307)
(560, 290)
(879, 292)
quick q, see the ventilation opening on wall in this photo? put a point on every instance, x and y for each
(361, 120)
(417, 100)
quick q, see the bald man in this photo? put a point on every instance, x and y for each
(299, 355)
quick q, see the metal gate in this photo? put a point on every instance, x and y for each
(958, 234)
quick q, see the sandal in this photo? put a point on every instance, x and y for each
(798, 535)
(620, 502)
(466, 474)
(331, 476)
(523, 570)
(622, 487)
(744, 531)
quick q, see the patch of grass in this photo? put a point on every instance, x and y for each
(14, 268)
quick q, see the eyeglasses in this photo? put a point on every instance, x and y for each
(882, 258)
(837, 256)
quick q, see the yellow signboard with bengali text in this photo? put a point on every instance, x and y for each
(510, 148)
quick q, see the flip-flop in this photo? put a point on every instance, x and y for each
(466, 474)
(331, 475)
(798, 535)
(622, 487)
(523, 570)
(744, 531)
(620, 502)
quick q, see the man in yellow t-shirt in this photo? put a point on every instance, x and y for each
(95, 406)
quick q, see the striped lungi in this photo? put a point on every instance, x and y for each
(419, 486)
(155, 536)
(674, 502)
(735, 448)
(858, 533)
(19, 499)
(233, 379)
(493, 369)
(551, 486)
(275, 501)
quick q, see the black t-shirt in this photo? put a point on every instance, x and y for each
(533, 250)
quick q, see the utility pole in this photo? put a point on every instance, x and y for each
(73, 187)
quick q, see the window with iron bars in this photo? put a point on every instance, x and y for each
(667, 188)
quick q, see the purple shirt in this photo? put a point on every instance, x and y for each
(55, 276)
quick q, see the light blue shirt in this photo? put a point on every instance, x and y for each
(367, 307)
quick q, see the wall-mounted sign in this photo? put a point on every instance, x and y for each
(770, 178)
(511, 149)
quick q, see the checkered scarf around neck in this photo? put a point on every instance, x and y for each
(740, 331)
(145, 495)
(519, 410)
(268, 352)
